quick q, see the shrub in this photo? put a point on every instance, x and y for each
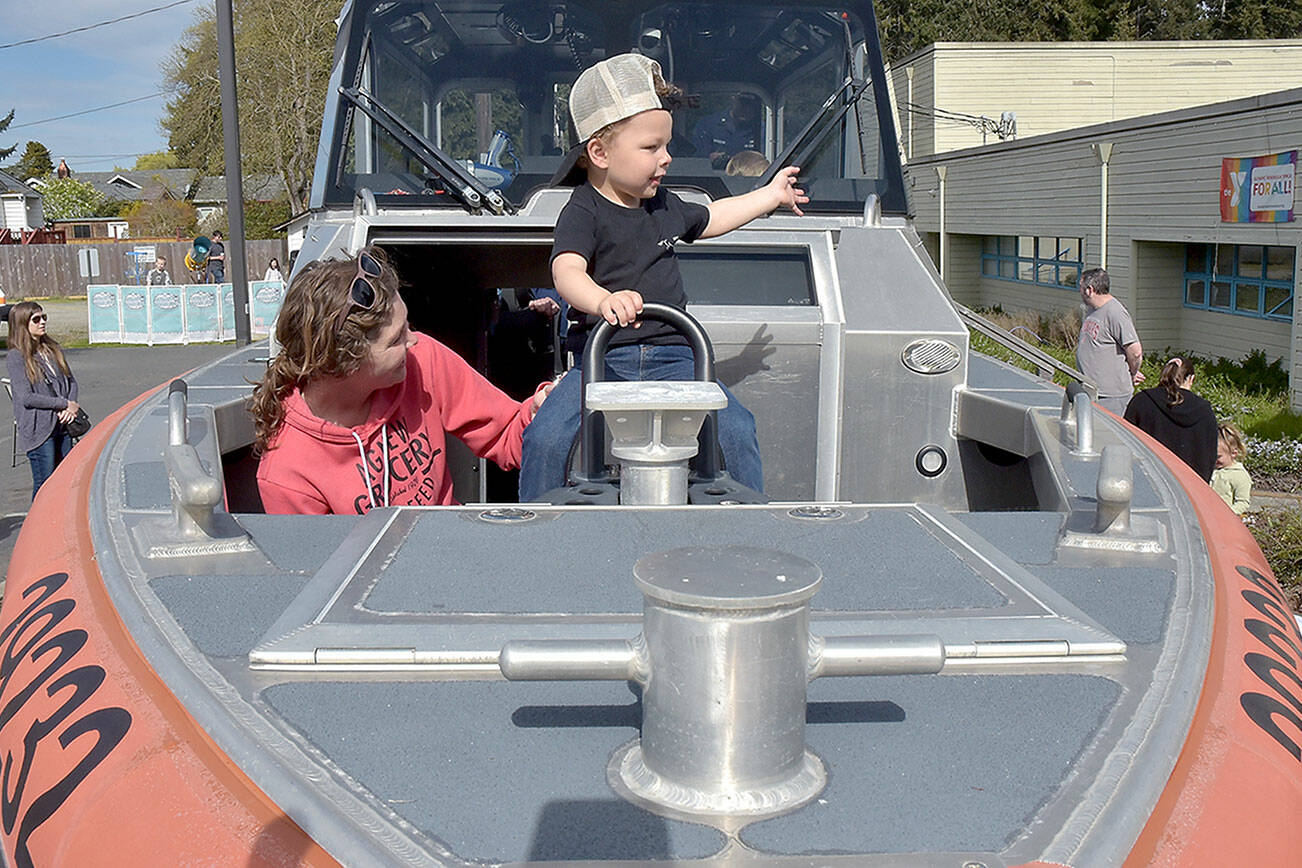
(1279, 533)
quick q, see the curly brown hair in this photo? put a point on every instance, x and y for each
(312, 342)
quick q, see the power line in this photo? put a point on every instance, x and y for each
(94, 26)
(89, 110)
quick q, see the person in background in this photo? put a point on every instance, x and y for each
(1177, 418)
(217, 259)
(355, 411)
(747, 164)
(158, 276)
(273, 271)
(719, 136)
(1108, 349)
(44, 389)
(1230, 479)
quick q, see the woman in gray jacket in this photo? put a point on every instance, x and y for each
(45, 391)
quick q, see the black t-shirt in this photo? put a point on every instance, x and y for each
(629, 248)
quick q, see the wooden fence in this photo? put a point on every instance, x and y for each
(53, 270)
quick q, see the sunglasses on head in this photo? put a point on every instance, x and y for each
(362, 292)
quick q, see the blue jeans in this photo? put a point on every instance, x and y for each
(44, 458)
(547, 439)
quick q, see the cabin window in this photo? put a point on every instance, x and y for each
(1241, 279)
(749, 276)
(1040, 260)
(81, 230)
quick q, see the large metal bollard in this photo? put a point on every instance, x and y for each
(724, 660)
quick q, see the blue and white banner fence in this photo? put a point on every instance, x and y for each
(192, 313)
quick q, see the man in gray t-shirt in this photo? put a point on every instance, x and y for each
(1108, 349)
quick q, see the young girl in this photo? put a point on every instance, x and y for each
(45, 391)
(1230, 480)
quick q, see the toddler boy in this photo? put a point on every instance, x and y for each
(614, 248)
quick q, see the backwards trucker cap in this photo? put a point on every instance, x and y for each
(609, 91)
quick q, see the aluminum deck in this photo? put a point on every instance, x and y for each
(348, 665)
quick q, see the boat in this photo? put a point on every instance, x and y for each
(973, 620)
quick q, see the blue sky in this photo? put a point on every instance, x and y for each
(85, 70)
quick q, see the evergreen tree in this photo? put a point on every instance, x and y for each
(34, 163)
(4, 125)
(1255, 19)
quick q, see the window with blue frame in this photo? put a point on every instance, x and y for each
(1241, 279)
(1042, 260)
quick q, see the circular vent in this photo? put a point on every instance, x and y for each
(931, 356)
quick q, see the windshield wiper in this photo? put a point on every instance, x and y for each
(823, 122)
(461, 183)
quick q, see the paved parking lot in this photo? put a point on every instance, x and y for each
(107, 377)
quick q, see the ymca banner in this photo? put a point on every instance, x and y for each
(198, 312)
(1258, 189)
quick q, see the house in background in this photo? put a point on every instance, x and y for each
(210, 192)
(20, 206)
(141, 186)
(93, 228)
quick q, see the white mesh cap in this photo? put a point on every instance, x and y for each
(616, 88)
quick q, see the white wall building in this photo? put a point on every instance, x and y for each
(20, 205)
(1054, 86)
(1013, 223)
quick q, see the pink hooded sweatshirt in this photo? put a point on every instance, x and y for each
(398, 456)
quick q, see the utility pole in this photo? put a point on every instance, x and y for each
(234, 178)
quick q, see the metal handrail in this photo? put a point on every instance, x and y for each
(1045, 364)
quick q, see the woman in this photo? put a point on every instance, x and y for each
(353, 413)
(45, 391)
(273, 270)
(1177, 418)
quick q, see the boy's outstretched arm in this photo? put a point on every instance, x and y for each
(576, 286)
(734, 211)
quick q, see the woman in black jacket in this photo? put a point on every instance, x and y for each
(1177, 418)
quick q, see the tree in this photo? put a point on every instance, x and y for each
(4, 125)
(160, 218)
(283, 54)
(34, 163)
(155, 161)
(1254, 19)
(70, 199)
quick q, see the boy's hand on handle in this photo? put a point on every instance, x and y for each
(784, 189)
(621, 308)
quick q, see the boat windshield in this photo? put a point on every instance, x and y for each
(483, 84)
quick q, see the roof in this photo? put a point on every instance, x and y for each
(1101, 47)
(258, 188)
(11, 184)
(146, 185)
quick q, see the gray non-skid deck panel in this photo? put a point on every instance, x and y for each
(882, 561)
(226, 615)
(948, 772)
(1131, 602)
(521, 777)
(298, 545)
(1027, 537)
(524, 777)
